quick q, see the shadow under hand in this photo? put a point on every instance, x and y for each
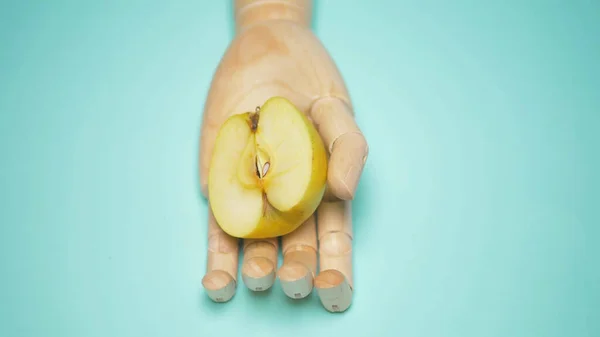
(230, 17)
(273, 301)
(362, 204)
(315, 11)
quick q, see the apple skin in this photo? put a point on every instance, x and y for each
(273, 222)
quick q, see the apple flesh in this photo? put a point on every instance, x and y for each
(268, 171)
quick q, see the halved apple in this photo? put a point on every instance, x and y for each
(268, 171)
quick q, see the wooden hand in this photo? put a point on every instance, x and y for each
(274, 53)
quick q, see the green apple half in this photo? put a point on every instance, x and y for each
(268, 171)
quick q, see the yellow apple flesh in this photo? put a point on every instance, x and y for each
(268, 171)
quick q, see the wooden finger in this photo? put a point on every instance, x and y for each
(222, 263)
(346, 143)
(260, 263)
(334, 281)
(299, 260)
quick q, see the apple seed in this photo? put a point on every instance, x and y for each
(266, 169)
(261, 169)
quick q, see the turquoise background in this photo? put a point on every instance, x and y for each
(477, 214)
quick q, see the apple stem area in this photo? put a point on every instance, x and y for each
(262, 161)
(254, 119)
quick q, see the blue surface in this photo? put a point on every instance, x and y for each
(477, 213)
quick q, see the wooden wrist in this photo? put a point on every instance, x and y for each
(249, 12)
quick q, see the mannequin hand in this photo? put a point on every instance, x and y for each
(284, 58)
